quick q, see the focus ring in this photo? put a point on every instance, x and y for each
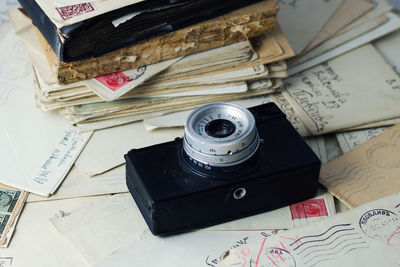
(233, 137)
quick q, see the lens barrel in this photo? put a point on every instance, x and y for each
(220, 134)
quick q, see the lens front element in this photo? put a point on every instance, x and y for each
(220, 134)
(220, 128)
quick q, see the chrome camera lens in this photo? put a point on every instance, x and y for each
(220, 135)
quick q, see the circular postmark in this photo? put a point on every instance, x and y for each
(276, 257)
(379, 224)
(384, 155)
(139, 72)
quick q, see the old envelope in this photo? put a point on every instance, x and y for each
(359, 82)
(388, 46)
(107, 147)
(391, 25)
(76, 184)
(347, 12)
(352, 139)
(200, 248)
(368, 172)
(35, 232)
(366, 236)
(120, 223)
(38, 148)
(302, 20)
(103, 227)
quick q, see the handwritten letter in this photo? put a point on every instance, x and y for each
(345, 92)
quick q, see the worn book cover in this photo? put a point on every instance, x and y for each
(236, 26)
(95, 34)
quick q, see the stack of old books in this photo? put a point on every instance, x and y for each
(107, 63)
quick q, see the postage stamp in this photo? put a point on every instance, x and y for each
(308, 209)
(8, 199)
(117, 80)
(3, 222)
(114, 81)
(68, 12)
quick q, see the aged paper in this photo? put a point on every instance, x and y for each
(121, 224)
(76, 184)
(111, 86)
(291, 115)
(11, 204)
(345, 14)
(4, 6)
(302, 20)
(35, 232)
(376, 124)
(177, 119)
(287, 217)
(38, 148)
(79, 11)
(325, 95)
(332, 147)
(366, 173)
(366, 236)
(245, 74)
(200, 248)
(115, 220)
(367, 22)
(391, 25)
(388, 47)
(106, 148)
(351, 140)
(339, 40)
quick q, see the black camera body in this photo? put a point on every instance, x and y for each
(176, 193)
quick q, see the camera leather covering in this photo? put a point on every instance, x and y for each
(173, 198)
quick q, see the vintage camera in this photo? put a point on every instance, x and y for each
(233, 162)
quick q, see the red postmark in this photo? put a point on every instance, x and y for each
(309, 208)
(114, 81)
(394, 239)
(68, 12)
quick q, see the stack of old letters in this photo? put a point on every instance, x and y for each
(158, 61)
(342, 94)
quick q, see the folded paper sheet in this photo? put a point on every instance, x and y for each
(351, 140)
(77, 184)
(111, 86)
(120, 223)
(37, 148)
(113, 222)
(359, 82)
(332, 147)
(35, 232)
(366, 173)
(346, 13)
(204, 248)
(106, 148)
(351, 42)
(366, 236)
(388, 46)
(302, 20)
